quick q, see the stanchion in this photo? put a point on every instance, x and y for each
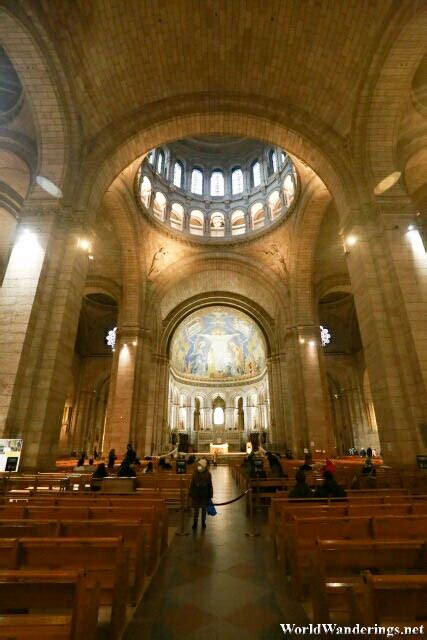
(182, 531)
(251, 533)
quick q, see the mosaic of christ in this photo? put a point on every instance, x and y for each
(218, 343)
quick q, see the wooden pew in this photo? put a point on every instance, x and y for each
(391, 600)
(28, 528)
(302, 536)
(133, 534)
(104, 560)
(46, 595)
(338, 565)
(410, 527)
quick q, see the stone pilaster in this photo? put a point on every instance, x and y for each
(39, 310)
(388, 270)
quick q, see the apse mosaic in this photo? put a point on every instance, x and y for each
(218, 344)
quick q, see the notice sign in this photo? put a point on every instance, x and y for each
(10, 454)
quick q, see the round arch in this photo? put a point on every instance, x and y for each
(390, 95)
(291, 129)
(49, 115)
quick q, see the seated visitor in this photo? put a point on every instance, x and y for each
(99, 473)
(329, 466)
(308, 463)
(276, 470)
(149, 468)
(80, 466)
(330, 488)
(126, 470)
(131, 454)
(91, 467)
(301, 489)
(112, 458)
(164, 464)
(369, 468)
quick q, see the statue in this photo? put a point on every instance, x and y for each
(197, 414)
(278, 262)
(158, 258)
(240, 415)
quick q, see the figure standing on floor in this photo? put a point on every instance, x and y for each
(201, 491)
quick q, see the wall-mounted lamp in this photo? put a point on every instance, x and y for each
(84, 244)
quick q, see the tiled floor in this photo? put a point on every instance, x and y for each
(218, 583)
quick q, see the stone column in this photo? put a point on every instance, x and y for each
(310, 411)
(118, 426)
(40, 304)
(388, 270)
(279, 431)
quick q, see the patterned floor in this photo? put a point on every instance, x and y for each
(218, 583)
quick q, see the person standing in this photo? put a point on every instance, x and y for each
(201, 491)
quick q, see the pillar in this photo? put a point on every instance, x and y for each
(40, 304)
(118, 426)
(388, 271)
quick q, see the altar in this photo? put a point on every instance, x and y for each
(218, 449)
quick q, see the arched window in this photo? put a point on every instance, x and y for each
(288, 189)
(274, 204)
(160, 162)
(257, 215)
(238, 222)
(196, 222)
(283, 157)
(218, 416)
(159, 206)
(177, 216)
(256, 174)
(177, 174)
(236, 181)
(197, 181)
(151, 156)
(217, 183)
(145, 191)
(272, 161)
(217, 226)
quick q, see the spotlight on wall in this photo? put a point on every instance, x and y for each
(91, 257)
(387, 183)
(412, 227)
(312, 343)
(302, 340)
(135, 342)
(84, 244)
(351, 241)
(49, 186)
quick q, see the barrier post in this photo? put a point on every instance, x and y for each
(182, 531)
(251, 533)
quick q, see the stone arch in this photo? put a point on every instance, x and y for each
(125, 222)
(312, 210)
(207, 273)
(41, 90)
(393, 85)
(190, 305)
(322, 150)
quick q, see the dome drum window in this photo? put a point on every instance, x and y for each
(220, 198)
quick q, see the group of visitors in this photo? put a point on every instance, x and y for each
(328, 489)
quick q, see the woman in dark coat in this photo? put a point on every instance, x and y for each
(201, 491)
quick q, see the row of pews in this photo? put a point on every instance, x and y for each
(70, 562)
(170, 486)
(362, 559)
